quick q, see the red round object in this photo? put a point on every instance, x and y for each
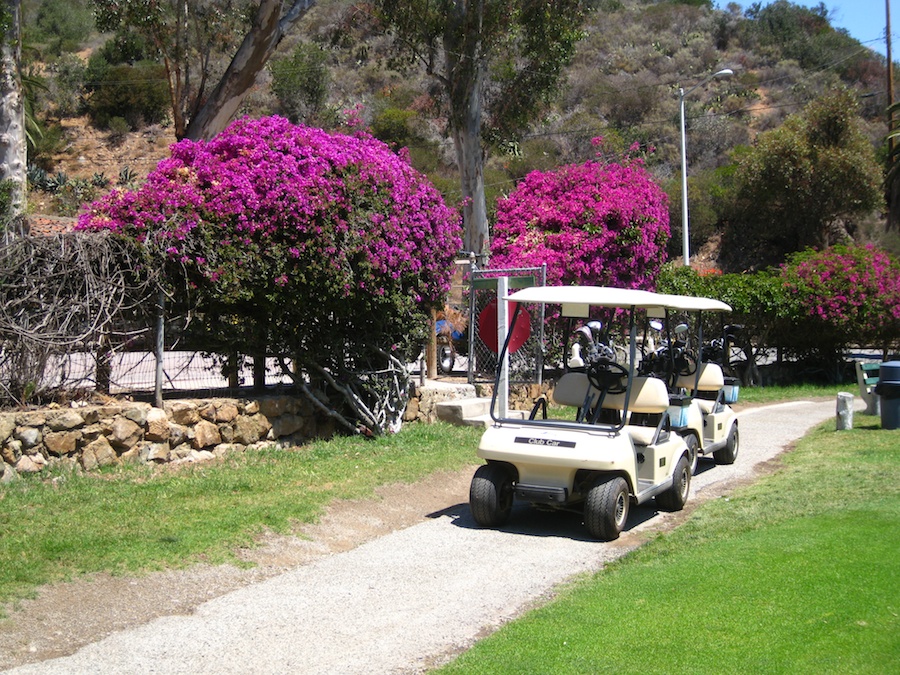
(487, 326)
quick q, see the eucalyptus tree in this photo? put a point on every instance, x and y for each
(191, 36)
(497, 62)
(13, 144)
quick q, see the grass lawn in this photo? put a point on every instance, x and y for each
(132, 518)
(799, 573)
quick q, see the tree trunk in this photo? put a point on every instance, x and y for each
(464, 75)
(470, 156)
(13, 146)
(258, 46)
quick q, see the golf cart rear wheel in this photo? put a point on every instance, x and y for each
(729, 453)
(693, 447)
(606, 508)
(676, 496)
(491, 495)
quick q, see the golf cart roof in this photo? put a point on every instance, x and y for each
(691, 303)
(594, 296)
(607, 296)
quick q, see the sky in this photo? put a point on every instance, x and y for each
(863, 19)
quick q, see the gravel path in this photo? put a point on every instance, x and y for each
(410, 599)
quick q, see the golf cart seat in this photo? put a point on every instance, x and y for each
(709, 386)
(648, 407)
(572, 390)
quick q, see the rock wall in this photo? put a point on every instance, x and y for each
(521, 396)
(190, 430)
(184, 430)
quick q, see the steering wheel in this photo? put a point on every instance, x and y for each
(607, 375)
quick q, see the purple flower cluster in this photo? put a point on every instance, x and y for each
(269, 207)
(592, 223)
(852, 289)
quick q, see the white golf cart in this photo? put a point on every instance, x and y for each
(618, 448)
(700, 394)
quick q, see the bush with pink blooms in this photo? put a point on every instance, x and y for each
(848, 294)
(324, 247)
(592, 224)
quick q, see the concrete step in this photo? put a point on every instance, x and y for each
(486, 420)
(458, 411)
(470, 412)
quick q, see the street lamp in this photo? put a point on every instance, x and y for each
(686, 244)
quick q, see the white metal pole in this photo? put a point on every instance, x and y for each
(686, 243)
(502, 330)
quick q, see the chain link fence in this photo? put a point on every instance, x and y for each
(525, 363)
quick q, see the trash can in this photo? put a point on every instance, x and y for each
(888, 390)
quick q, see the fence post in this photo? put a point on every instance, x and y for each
(502, 330)
(104, 366)
(160, 348)
(431, 346)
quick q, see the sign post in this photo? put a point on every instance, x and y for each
(502, 330)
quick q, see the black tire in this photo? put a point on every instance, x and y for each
(693, 446)
(491, 495)
(676, 496)
(606, 508)
(729, 453)
(446, 359)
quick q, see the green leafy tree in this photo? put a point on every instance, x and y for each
(300, 83)
(892, 180)
(496, 62)
(135, 93)
(63, 24)
(803, 184)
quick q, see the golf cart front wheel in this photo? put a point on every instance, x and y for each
(729, 453)
(606, 508)
(491, 495)
(676, 496)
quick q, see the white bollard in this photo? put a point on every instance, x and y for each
(844, 411)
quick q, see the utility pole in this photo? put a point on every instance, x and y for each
(893, 197)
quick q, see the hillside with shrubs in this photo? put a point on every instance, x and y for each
(102, 106)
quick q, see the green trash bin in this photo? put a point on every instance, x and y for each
(888, 390)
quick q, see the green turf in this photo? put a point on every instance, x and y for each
(796, 574)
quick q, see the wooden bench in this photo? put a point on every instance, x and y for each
(867, 378)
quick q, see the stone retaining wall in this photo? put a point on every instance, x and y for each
(184, 430)
(191, 430)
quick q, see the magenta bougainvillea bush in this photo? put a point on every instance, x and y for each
(592, 224)
(288, 206)
(851, 293)
(324, 246)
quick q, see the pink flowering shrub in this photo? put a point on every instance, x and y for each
(592, 224)
(850, 294)
(325, 247)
